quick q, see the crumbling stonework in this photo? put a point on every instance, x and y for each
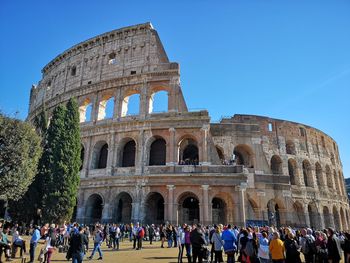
(176, 166)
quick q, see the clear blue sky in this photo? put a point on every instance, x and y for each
(283, 59)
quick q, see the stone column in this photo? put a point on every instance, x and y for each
(110, 157)
(205, 205)
(89, 153)
(118, 100)
(144, 100)
(95, 108)
(241, 188)
(204, 158)
(170, 204)
(307, 216)
(171, 149)
(81, 208)
(105, 213)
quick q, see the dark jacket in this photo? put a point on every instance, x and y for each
(197, 238)
(77, 243)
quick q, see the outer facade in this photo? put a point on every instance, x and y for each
(176, 166)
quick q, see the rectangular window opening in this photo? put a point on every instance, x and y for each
(269, 127)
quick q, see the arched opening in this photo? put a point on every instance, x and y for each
(336, 182)
(220, 154)
(276, 165)
(129, 154)
(123, 208)
(314, 216)
(131, 105)
(218, 211)
(188, 152)
(252, 212)
(273, 211)
(293, 172)
(106, 108)
(319, 176)
(82, 155)
(85, 111)
(327, 217)
(299, 216)
(158, 152)
(290, 147)
(158, 102)
(332, 159)
(342, 217)
(336, 217)
(307, 173)
(329, 177)
(154, 209)
(100, 155)
(243, 155)
(94, 207)
(189, 209)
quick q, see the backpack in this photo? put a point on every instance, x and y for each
(249, 248)
(310, 247)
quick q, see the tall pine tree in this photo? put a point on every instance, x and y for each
(61, 164)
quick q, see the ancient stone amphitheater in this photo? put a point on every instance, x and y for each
(176, 166)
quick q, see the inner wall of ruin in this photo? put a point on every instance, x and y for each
(175, 166)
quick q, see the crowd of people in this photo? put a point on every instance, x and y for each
(195, 242)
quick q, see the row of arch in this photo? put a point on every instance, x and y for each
(156, 149)
(307, 174)
(154, 210)
(130, 105)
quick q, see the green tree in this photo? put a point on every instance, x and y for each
(61, 162)
(19, 155)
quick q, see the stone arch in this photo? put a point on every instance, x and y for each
(157, 151)
(218, 210)
(299, 215)
(154, 208)
(327, 217)
(188, 151)
(123, 208)
(252, 209)
(293, 172)
(276, 165)
(189, 208)
(336, 217)
(158, 101)
(290, 147)
(220, 153)
(329, 177)
(314, 215)
(336, 182)
(106, 107)
(85, 110)
(275, 215)
(100, 155)
(319, 175)
(93, 208)
(244, 155)
(131, 103)
(307, 173)
(127, 152)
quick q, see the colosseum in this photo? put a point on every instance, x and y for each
(176, 166)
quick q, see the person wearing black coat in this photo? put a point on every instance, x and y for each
(78, 241)
(333, 246)
(198, 241)
(291, 246)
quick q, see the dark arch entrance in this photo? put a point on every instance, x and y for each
(218, 211)
(190, 210)
(154, 209)
(94, 207)
(123, 208)
(158, 152)
(102, 160)
(273, 211)
(190, 154)
(82, 154)
(129, 152)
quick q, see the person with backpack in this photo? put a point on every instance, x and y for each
(78, 241)
(333, 246)
(229, 238)
(291, 247)
(140, 236)
(198, 241)
(98, 239)
(263, 250)
(50, 243)
(308, 246)
(277, 248)
(218, 245)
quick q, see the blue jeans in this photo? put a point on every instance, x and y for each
(32, 251)
(97, 246)
(77, 257)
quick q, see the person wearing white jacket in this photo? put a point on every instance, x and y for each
(218, 244)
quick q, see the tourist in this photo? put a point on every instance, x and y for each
(17, 242)
(87, 236)
(277, 248)
(140, 236)
(98, 240)
(169, 235)
(33, 243)
(162, 234)
(263, 250)
(78, 241)
(291, 247)
(230, 248)
(50, 242)
(333, 246)
(243, 240)
(5, 244)
(346, 248)
(151, 233)
(307, 243)
(188, 243)
(197, 241)
(321, 247)
(181, 242)
(218, 244)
